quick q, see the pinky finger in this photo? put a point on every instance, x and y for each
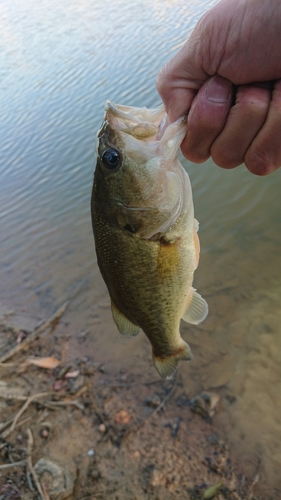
(264, 154)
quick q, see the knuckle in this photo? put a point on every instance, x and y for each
(160, 83)
(163, 81)
(259, 162)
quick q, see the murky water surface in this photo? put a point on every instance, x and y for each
(59, 61)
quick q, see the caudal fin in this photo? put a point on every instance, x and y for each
(167, 366)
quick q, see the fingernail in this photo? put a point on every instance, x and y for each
(218, 90)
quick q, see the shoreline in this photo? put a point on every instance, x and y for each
(114, 436)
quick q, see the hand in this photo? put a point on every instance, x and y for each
(227, 77)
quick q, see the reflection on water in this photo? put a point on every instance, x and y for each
(59, 61)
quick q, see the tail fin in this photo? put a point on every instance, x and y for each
(167, 366)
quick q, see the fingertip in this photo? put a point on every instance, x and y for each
(222, 159)
(175, 93)
(259, 163)
(177, 102)
(206, 119)
(193, 154)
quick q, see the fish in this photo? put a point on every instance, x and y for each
(145, 233)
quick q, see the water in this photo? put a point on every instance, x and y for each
(59, 61)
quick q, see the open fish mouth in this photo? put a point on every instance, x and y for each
(141, 123)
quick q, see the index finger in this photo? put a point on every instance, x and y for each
(179, 81)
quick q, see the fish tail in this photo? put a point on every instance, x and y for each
(167, 366)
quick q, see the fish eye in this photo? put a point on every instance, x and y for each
(111, 158)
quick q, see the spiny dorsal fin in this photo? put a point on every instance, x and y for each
(124, 326)
(197, 309)
(167, 366)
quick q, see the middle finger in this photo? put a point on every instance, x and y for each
(244, 121)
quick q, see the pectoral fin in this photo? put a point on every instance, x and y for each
(197, 309)
(124, 326)
(167, 366)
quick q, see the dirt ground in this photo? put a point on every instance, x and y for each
(74, 431)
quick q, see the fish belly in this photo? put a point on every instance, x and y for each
(148, 281)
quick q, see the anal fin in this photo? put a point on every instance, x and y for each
(167, 366)
(124, 326)
(197, 309)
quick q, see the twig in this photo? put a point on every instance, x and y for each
(22, 410)
(55, 317)
(15, 464)
(250, 492)
(6, 424)
(54, 404)
(159, 407)
(30, 466)
(164, 400)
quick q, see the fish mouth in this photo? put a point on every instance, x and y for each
(148, 138)
(138, 115)
(141, 123)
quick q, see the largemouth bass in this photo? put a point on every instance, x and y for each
(145, 232)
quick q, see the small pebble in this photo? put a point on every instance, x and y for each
(153, 402)
(102, 428)
(82, 336)
(44, 433)
(91, 453)
(95, 474)
(122, 417)
(58, 384)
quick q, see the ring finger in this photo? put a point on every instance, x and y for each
(245, 119)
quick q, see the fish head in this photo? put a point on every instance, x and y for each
(139, 183)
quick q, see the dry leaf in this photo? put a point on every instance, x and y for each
(73, 374)
(48, 362)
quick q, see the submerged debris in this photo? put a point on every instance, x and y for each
(61, 484)
(9, 492)
(205, 404)
(212, 491)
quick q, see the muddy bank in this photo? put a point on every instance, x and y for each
(79, 430)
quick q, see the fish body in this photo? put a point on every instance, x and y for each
(145, 232)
